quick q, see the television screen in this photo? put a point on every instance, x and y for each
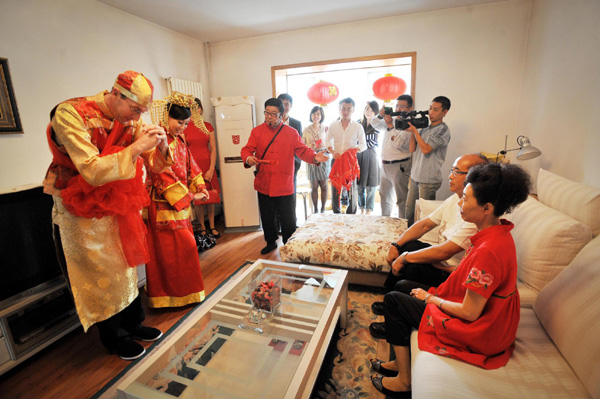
(26, 243)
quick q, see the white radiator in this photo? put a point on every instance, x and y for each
(185, 87)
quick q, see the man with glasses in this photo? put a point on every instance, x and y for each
(428, 265)
(95, 178)
(395, 158)
(429, 153)
(271, 148)
(343, 135)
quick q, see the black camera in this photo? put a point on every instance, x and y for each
(416, 118)
(388, 110)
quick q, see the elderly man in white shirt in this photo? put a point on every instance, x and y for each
(395, 158)
(343, 135)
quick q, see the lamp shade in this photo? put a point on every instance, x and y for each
(323, 93)
(527, 151)
(389, 87)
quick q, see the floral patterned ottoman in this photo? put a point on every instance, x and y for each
(351, 241)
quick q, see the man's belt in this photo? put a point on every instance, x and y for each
(391, 162)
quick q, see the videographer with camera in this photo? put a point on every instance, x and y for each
(395, 157)
(429, 153)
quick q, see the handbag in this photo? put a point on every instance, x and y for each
(213, 195)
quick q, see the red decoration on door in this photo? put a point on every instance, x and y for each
(389, 87)
(323, 93)
(235, 138)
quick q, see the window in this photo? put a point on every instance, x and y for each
(354, 78)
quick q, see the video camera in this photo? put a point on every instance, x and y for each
(403, 117)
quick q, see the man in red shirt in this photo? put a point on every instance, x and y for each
(271, 148)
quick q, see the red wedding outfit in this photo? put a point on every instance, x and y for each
(490, 270)
(173, 277)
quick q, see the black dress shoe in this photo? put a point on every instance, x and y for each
(377, 308)
(377, 330)
(270, 247)
(378, 384)
(145, 333)
(377, 367)
(127, 349)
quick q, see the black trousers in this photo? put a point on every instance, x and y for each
(422, 273)
(269, 208)
(402, 314)
(117, 327)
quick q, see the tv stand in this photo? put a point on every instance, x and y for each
(29, 323)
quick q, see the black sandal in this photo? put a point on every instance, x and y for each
(212, 231)
(376, 365)
(378, 384)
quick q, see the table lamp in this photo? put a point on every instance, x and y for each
(526, 150)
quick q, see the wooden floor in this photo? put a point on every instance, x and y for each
(77, 366)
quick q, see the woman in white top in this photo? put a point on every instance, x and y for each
(318, 175)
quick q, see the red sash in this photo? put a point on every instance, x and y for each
(345, 170)
(122, 198)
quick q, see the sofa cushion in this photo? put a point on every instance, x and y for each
(569, 310)
(423, 209)
(546, 240)
(577, 200)
(526, 294)
(535, 370)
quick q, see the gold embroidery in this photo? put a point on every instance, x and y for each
(169, 301)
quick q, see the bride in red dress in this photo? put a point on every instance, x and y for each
(173, 273)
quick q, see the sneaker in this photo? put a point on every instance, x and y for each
(127, 349)
(146, 334)
(270, 247)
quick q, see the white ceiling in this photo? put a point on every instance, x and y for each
(223, 20)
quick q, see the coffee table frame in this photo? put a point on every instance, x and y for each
(220, 308)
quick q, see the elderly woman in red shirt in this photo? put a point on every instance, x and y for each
(474, 315)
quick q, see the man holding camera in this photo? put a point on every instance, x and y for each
(429, 153)
(396, 158)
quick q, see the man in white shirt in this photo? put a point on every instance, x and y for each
(430, 265)
(395, 158)
(343, 135)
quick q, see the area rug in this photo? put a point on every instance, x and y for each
(345, 371)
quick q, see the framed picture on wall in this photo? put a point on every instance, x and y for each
(10, 122)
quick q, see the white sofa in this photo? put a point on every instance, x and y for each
(557, 350)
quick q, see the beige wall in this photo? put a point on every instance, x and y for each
(561, 88)
(515, 67)
(69, 48)
(473, 55)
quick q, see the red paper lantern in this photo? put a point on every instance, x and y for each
(389, 87)
(323, 93)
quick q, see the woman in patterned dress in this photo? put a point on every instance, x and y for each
(318, 175)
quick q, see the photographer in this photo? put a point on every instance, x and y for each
(429, 153)
(396, 159)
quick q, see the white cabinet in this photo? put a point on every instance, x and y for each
(234, 118)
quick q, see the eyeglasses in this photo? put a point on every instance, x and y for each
(273, 114)
(455, 172)
(135, 110)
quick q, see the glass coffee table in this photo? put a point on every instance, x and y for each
(221, 351)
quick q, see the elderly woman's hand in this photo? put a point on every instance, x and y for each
(419, 293)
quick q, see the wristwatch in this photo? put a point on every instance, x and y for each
(398, 247)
